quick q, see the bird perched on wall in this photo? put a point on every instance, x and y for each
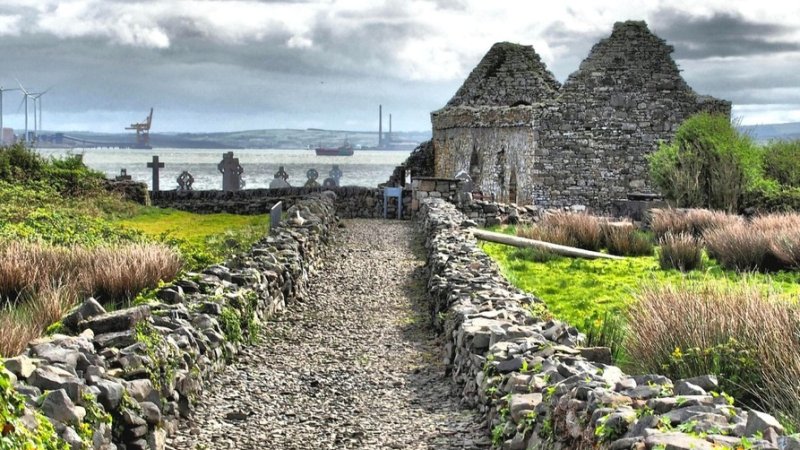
(296, 220)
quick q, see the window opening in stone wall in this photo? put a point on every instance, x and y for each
(474, 164)
(500, 171)
(512, 186)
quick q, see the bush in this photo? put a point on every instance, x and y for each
(709, 164)
(738, 247)
(747, 337)
(782, 162)
(680, 251)
(68, 176)
(626, 240)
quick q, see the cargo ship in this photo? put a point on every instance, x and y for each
(345, 149)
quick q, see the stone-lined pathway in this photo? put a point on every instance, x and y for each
(354, 367)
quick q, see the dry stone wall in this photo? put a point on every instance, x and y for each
(121, 379)
(539, 388)
(350, 202)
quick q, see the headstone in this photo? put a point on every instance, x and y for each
(279, 181)
(231, 172)
(185, 181)
(123, 175)
(330, 182)
(335, 173)
(312, 175)
(275, 214)
(155, 165)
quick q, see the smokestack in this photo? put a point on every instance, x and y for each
(390, 127)
(380, 126)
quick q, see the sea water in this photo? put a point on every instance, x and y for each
(365, 168)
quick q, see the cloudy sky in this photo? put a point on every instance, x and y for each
(224, 65)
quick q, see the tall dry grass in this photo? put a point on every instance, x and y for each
(692, 221)
(625, 239)
(680, 251)
(783, 232)
(39, 283)
(583, 230)
(738, 247)
(750, 338)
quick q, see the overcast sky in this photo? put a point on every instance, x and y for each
(234, 65)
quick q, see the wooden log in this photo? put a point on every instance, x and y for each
(563, 250)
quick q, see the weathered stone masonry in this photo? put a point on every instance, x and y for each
(146, 364)
(539, 388)
(529, 140)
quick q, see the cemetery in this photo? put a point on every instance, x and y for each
(313, 314)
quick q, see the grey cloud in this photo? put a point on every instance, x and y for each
(719, 35)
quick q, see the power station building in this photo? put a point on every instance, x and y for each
(527, 139)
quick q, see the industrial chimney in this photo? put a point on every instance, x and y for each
(380, 126)
(389, 138)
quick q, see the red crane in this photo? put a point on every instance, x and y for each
(142, 131)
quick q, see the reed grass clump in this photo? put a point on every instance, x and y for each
(39, 282)
(693, 221)
(626, 240)
(738, 247)
(680, 251)
(747, 336)
(582, 229)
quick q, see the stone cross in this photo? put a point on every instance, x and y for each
(155, 165)
(231, 172)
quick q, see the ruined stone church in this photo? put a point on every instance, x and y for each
(527, 139)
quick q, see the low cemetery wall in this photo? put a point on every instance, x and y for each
(143, 365)
(351, 201)
(539, 388)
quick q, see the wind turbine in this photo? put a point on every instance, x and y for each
(2, 89)
(25, 95)
(37, 100)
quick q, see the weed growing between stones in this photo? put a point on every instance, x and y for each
(14, 433)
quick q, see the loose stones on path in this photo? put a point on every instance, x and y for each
(355, 366)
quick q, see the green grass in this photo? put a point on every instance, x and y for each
(202, 238)
(585, 292)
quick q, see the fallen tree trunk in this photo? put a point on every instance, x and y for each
(515, 241)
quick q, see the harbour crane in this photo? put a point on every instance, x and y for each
(142, 131)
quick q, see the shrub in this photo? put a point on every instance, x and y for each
(582, 229)
(746, 336)
(691, 221)
(738, 247)
(769, 197)
(782, 162)
(708, 164)
(680, 251)
(626, 240)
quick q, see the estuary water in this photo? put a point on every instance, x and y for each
(365, 168)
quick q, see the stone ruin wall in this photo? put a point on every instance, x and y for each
(489, 143)
(627, 96)
(586, 144)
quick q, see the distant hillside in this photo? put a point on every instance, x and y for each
(770, 131)
(282, 138)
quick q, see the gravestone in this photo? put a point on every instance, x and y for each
(275, 214)
(155, 165)
(123, 175)
(231, 172)
(279, 181)
(185, 181)
(312, 175)
(333, 177)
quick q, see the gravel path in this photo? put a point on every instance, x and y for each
(356, 366)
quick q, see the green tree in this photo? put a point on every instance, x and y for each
(708, 164)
